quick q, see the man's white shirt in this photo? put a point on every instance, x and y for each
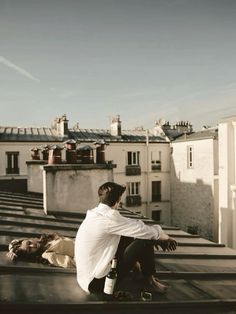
(98, 237)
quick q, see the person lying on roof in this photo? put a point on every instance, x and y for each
(51, 249)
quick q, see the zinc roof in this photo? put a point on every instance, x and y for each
(127, 136)
(29, 134)
(201, 275)
(200, 135)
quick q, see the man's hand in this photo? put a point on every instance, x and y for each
(166, 245)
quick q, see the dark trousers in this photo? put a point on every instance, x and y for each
(129, 252)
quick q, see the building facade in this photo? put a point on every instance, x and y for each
(194, 183)
(227, 181)
(142, 159)
(16, 145)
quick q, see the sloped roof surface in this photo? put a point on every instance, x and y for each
(172, 134)
(201, 274)
(127, 136)
(204, 134)
(83, 135)
(22, 134)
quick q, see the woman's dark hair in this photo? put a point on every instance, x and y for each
(15, 245)
(109, 193)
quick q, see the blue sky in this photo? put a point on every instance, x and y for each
(94, 59)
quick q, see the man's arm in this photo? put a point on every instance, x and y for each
(117, 224)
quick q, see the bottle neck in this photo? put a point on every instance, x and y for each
(114, 263)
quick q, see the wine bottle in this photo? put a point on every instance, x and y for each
(111, 279)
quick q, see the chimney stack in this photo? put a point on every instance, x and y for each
(116, 126)
(61, 126)
(183, 127)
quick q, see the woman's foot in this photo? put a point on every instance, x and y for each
(154, 285)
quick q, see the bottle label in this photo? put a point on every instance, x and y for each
(109, 285)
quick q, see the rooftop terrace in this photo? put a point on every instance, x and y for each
(201, 274)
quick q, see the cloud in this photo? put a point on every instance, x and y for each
(18, 69)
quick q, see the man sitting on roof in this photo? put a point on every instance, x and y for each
(105, 234)
(51, 249)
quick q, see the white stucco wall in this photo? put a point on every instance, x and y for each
(24, 149)
(192, 190)
(24, 154)
(73, 188)
(35, 176)
(118, 153)
(227, 181)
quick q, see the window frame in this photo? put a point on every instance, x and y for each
(133, 188)
(133, 158)
(156, 197)
(12, 163)
(190, 162)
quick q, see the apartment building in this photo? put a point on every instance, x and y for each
(142, 159)
(16, 144)
(227, 181)
(194, 183)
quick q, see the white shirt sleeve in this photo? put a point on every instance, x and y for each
(128, 227)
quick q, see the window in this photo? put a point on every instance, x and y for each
(133, 168)
(12, 162)
(190, 156)
(156, 160)
(156, 215)
(134, 188)
(133, 197)
(156, 191)
(133, 158)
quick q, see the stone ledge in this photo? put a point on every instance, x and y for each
(61, 167)
(36, 162)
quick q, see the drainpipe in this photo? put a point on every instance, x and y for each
(147, 157)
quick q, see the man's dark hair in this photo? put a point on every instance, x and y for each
(109, 193)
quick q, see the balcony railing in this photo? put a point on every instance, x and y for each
(133, 200)
(132, 170)
(12, 170)
(156, 167)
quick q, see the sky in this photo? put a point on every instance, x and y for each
(93, 59)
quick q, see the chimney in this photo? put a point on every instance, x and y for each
(116, 126)
(158, 128)
(166, 126)
(184, 127)
(61, 126)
